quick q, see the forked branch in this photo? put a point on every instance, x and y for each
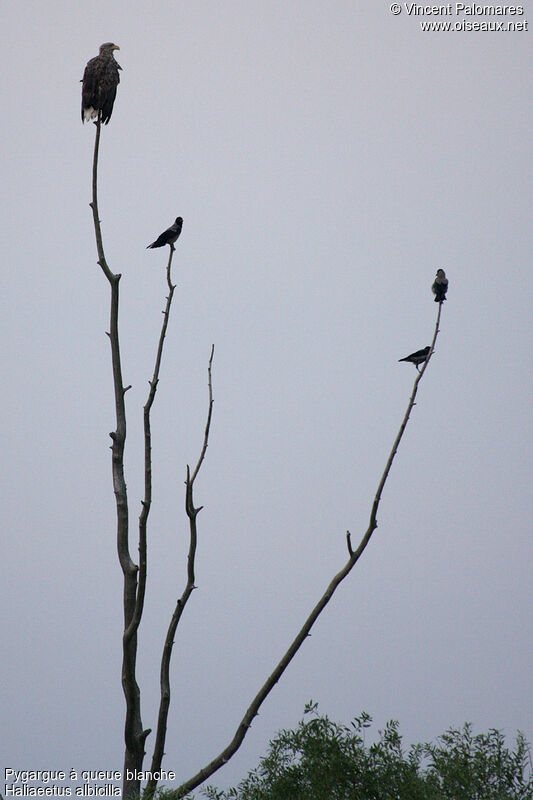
(147, 500)
(192, 512)
(354, 555)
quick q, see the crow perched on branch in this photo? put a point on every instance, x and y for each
(418, 357)
(169, 236)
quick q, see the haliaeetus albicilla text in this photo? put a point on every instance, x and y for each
(169, 236)
(99, 85)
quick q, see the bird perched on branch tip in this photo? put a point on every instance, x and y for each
(99, 85)
(418, 357)
(440, 286)
(169, 236)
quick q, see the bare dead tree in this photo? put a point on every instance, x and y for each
(135, 575)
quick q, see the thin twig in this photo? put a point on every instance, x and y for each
(208, 422)
(304, 631)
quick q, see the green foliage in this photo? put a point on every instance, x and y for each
(325, 760)
(479, 767)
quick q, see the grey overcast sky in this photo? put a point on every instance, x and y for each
(326, 158)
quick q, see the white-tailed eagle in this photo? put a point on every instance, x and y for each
(99, 85)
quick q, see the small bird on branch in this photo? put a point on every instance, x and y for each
(169, 236)
(99, 85)
(417, 358)
(440, 286)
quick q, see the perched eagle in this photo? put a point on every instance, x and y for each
(440, 287)
(418, 357)
(169, 236)
(99, 84)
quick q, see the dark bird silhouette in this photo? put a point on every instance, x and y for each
(440, 286)
(417, 358)
(99, 84)
(169, 236)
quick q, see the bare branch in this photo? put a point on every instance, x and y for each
(134, 735)
(119, 435)
(111, 277)
(349, 542)
(304, 631)
(147, 501)
(373, 516)
(208, 422)
(192, 513)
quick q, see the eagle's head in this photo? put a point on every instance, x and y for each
(107, 48)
